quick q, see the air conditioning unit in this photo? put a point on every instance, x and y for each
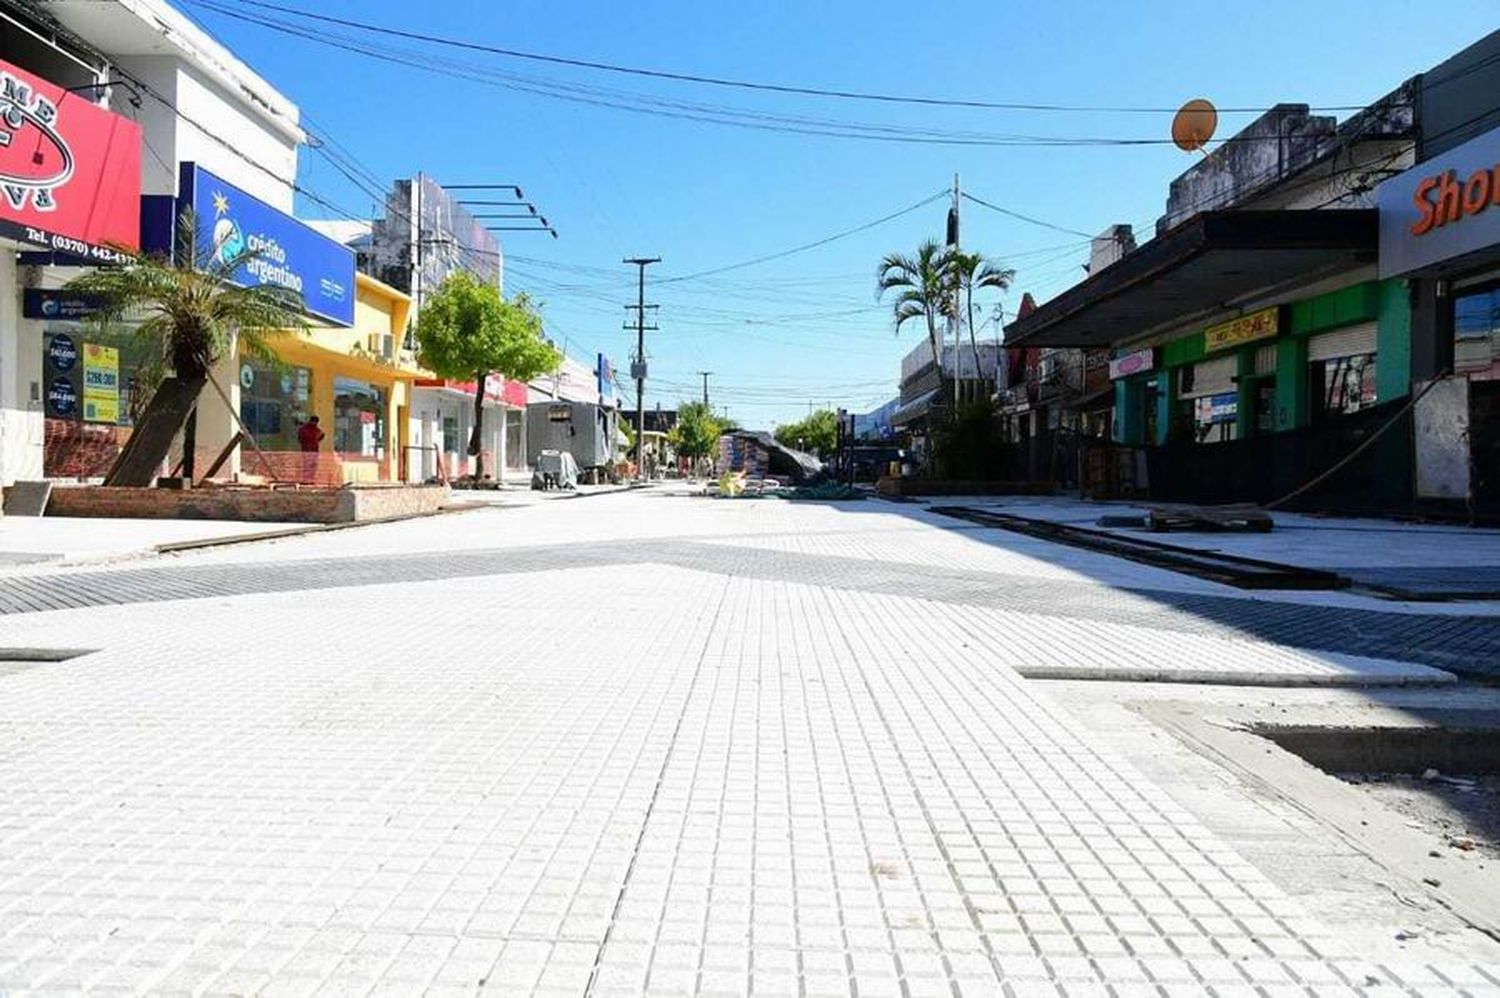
(383, 345)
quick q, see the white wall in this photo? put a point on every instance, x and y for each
(20, 367)
(274, 168)
(173, 137)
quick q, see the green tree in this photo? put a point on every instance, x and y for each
(187, 315)
(970, 272)
(467, 330)
(697, 432)
(919, 287)
(817, 434)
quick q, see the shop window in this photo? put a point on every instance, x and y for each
(1476, 330)
(1151, 399)
(1263, 397)
(1214, 417)
(273, 402)
(92, 384)
(358, 418)
(1344, 384)
(450, 434)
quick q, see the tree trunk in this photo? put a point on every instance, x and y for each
(190, 445)
(973, 341)
(476, 437)
(150, 441)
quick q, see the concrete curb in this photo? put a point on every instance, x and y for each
(178, 547)
(1210, 677)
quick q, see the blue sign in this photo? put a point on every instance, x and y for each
(62, 352)
(286, 252)
(62, 398)
(606, 376)
(39, 303)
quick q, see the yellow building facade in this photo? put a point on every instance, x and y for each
(356, 381)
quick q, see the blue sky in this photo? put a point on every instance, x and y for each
(805, 328)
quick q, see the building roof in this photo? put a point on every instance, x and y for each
(1204, 266)
(155, 27)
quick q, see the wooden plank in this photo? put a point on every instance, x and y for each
(224, 454)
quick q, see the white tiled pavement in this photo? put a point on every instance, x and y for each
(607, 781)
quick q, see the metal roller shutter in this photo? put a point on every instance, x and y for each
(1348, 342)
(1212, 377)
(1265, 359)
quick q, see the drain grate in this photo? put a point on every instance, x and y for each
(14, 660)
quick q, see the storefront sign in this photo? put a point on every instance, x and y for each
(271, 246)
(1138, 362)
(70, 171)
(1216, 408)
(1441, 209)
(560, 412)
(1246, 329)
(606, 374)
(62, 399)
(101, 384)
(37, 303)
(62, 352)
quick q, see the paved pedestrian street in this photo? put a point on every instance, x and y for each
(645, 743)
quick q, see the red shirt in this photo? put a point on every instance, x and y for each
(309, 436)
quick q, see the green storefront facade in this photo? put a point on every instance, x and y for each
(1302, 361)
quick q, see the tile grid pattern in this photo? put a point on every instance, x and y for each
(1465, 644)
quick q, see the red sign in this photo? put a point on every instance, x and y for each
(70, 172)
(496, 388)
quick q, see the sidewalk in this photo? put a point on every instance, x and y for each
(1423, 561)
(30, 540)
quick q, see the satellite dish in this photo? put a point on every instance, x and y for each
(1194, 125)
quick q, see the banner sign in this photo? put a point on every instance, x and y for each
(101, 384)
(60, 375)
(1441, 209)
(1246, 329)
(288, 253)
(605, 372)
(37, 303)
(70, 171)
(1132, 363)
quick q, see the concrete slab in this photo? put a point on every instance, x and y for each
(417, 756)
(27, 498)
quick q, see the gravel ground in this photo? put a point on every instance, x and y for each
(1462, 810)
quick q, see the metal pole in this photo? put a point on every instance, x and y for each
(641, 263)
(417, 274)
(955, 322)
(705, 389)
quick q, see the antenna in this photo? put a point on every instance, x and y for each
(1194, 125)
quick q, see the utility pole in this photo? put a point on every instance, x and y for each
(954, 325)
(705, 389)
(638, 366)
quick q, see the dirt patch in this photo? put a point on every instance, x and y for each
(1460, 810)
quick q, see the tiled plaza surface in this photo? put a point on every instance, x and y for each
(563, 766)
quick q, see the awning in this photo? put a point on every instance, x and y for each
(1205, 265)
(915, 409)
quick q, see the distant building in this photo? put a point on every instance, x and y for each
(876, 424)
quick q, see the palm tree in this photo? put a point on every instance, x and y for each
(970, 272)
(921, 289)
(186, 314)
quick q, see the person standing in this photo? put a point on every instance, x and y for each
(310, 437)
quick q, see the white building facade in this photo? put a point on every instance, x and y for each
(158, 81)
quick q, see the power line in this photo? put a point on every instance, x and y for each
(690, 111)
(807, 246)
(1025, 218)
(740, 84)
